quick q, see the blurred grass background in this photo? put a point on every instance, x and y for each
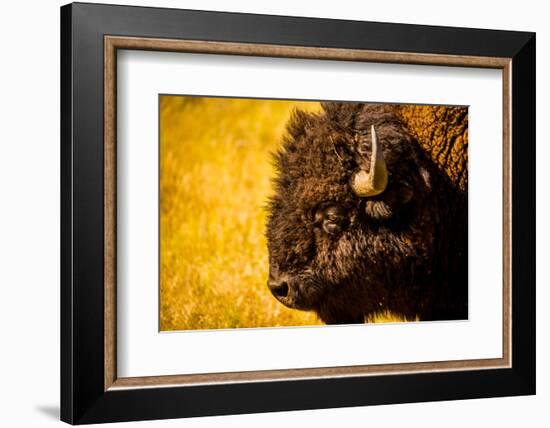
(216, 170)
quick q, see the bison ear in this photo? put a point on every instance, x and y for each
(426, 177)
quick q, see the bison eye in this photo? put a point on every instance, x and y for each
(331, 219)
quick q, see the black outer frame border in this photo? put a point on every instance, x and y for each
(83, 399)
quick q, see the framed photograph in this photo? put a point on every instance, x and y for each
(265, 213)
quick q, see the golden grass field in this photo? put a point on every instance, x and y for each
(216, 171)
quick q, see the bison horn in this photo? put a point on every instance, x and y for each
(375, 181)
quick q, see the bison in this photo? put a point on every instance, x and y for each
(369, 213)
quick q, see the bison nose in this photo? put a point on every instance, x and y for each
(279, 289)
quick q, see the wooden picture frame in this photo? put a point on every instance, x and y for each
(91, 391)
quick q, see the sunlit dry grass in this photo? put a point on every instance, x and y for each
(215, 180)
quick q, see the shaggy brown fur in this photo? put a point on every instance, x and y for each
(443, 134)
(350, 258)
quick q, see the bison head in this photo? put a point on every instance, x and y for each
(354, 219)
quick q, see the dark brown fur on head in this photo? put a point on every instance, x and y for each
(347, 257)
